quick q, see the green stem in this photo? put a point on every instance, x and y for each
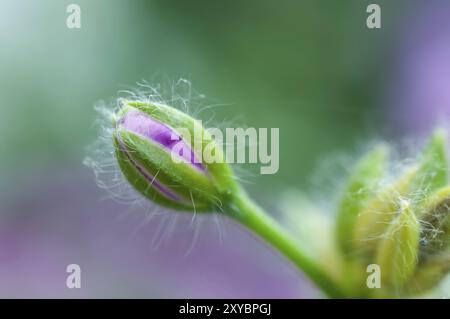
(253, 217)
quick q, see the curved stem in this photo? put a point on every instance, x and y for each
(253, 217)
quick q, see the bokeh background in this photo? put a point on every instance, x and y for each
(310, 67)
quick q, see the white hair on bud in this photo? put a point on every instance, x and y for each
(108, 175)
(311, 213)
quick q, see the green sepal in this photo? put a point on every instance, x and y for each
(141, 184)
(432, 173)
(196, 189)
(397, 251)
(359, 189)
(219, 171)
(379, 212)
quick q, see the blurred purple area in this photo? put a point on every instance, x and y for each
(420, 91)
(53, 223)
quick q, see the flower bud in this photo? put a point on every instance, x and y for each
(165, 166)
(415, 185)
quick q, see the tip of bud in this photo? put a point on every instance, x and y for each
(162, 164)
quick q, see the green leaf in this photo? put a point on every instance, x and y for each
(358, 190)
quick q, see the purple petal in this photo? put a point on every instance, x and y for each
(140, 123)
(153, 181)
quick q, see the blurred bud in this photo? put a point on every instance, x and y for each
(376, 216)
(148, 138)
(416, 184)
(359, 189)
(435, 235)
(403, 227)
(397, 252)
(429, 275)
(433, 169)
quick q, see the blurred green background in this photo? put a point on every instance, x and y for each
(311, 68)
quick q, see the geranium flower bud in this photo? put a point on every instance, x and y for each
(416, 184)
(165, 166)
(403, 227)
